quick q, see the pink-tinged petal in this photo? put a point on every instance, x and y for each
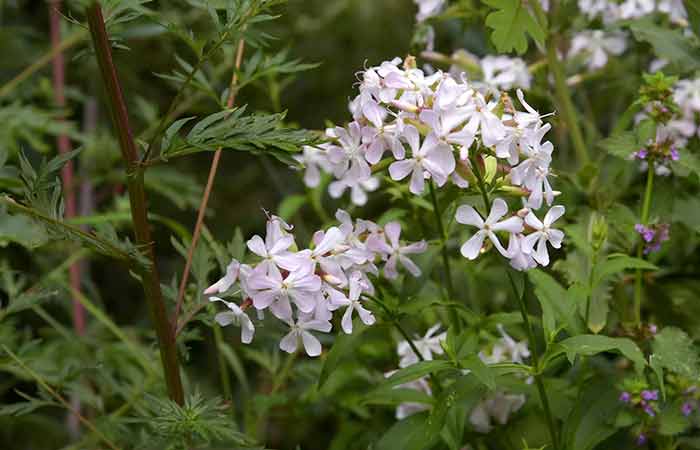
(247, 330)
(533, 222)
(417, 181)
(472, 247)
(463, 138)
(282, 309)
(365, 315)
(330, 240)
(312, 176)
(292, 262)
(499, 208)
(304, 301)
(393, 232)
(289, 342)
(374, 113)
(410, 266)
(556, 237)
(346, 322)
(263, 299)
(304, 281)
(411, 135)
(430, 142)
(397, 149)
(399, 170)
(498, 245)
(541, 255)
(416, 247)
(318, 325)
(282, 244)
(467, 215)
(257, 246)
(390, 270)
(431, 118)
(311, 344)
(227, 281)
(512, 225)
(378, 244)
(554, 213)
(225, 318)
(529, 241)
(440, 162)
(375, 150)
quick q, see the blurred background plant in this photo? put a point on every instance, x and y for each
(99, 384)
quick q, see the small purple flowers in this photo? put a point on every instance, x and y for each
(625, 397)
(687, 409)
(641, 439)
(653, 236)
(649, 395)
(641, 154)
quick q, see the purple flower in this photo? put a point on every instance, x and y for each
(625, 397)
(675, 156)
(687, 409)
(641, 439)
(653, 328)
(649, 410)
(646, 232)
(649, 395)
(641, 154)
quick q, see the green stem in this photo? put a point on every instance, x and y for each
(223, 367)
(536, 360)
(481, 184)
(454, 316)
(646, 205)
(563, 93)
(137, 199)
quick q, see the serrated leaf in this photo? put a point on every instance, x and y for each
(511, 24)
(621, 145)
(669, 44)
(674, 351)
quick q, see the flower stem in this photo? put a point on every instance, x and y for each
(137, 199)
(454, 316)
(536, 357)
(562, 91)
(646, 205)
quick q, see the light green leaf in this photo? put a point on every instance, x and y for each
(592, 344)
(558, 308)
(616, 264)
(674, 351)
(415, 371)
(669, 44)
(511, 24)
(621, 145)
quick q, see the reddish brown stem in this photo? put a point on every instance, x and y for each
(64, 146)
(205, 198)
(137, 198)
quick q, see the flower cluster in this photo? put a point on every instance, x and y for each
(653, 236)
(303, 288)
(646, 400)
(428, 8)
(438, 129)
(595, 46)
(497, 406)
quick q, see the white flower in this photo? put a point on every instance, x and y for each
(358, 189)
(406, 409)
(687, 95)
(273, 291)
(543, 233)
(352, 302)
(314, 160)
(633, 9)
(519, 260)
(237, 317)
(498, 406)
(467, 215)
(426, 346)
(444, 123)
(394, 251)
(597, 45)
(428, 8)
(675, 10)
(227, 281)
(483, 119)
(433, 157)
(348, 158)
(300, 330)
(505, 73)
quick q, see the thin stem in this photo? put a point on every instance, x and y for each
(482, 185)
(223, 367)
(207, 192)
(454, 316)
(561, 87)
(59, 398)
(137, 199)
(536, 357)
(64, 146)
(43, 60)
(646, 205)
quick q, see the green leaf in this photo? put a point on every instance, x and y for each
(342, 349)
(671, 420)
(410, 433)
(415, 371)
(21, 230)
(558, 308)
(592, 344)
(674, 351)
(590, 422)
(668, 44)
(511, 24)
(693, 9)
(396, 396)
(616, 264)
(290, 206)
(481, 371)
(621, 145)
